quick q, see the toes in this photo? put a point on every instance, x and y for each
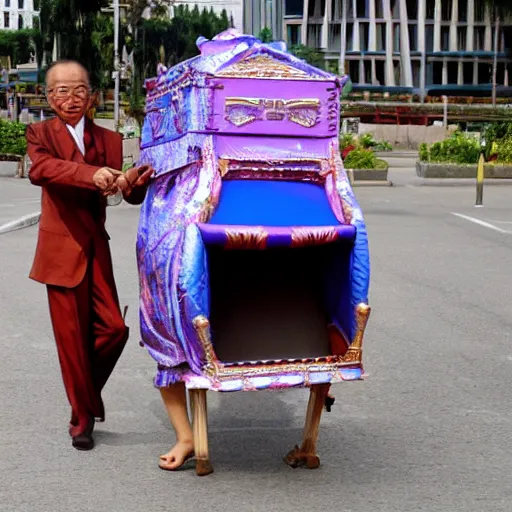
(169, 465)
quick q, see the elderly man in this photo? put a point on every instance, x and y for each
(78, 165)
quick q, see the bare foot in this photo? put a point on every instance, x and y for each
(177, 456)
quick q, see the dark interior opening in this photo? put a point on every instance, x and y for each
(273, 304)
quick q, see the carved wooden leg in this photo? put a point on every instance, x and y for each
(306, 454)
(200, 426)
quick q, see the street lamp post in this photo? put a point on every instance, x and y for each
(480, 173)
(116, 65)
(343, 49)
(495, 59)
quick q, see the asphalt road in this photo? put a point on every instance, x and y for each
(17, 199)
(429, 430)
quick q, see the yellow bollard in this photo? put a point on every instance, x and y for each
(480, 181)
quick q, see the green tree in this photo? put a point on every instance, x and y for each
(18, 44)
(224, 21)
(176, 36)
(102, 38)
(266, 36)
(501, 7)
(347, 89)
(135, 10)
(38, 40)
(310, 55)
(72, 24)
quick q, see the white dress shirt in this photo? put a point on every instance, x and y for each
(78, 134)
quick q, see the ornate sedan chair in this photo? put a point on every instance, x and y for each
(252, 250)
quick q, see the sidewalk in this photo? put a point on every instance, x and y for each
(18, 198)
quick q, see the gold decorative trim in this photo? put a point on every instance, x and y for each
(223, 166)
(202, 327)
(336, 166)
(271, 163)
(355, 351)
(241, 111)
(239, 101)
(262, 66)
(248, 370)
(244, 370)
(325, 168)
(301, 169)
(207, 210)
(303, 111)
(302, 237)
(249, 238)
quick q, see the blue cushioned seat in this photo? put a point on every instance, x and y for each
(273, 203)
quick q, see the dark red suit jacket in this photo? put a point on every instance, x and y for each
(72, 208)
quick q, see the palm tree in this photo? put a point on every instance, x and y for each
(504, 7)
(136, 8)
(71, 25)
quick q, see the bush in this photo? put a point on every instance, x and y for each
(457, 149)
(347, 139)
(494, 132)
(504, 150)
(423, 153)
(12, 138)
(361, 159)
(498, 137)
(381, 164)
(367, 141)
(383, 145)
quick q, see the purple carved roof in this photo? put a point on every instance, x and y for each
(227, 49)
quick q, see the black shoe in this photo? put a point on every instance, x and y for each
(85, 441)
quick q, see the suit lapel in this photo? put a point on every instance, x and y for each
(96, 139)
(66, 147)
(64, 142)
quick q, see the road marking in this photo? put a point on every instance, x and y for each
(25, 202)
(501, 221)
(23, 222)
(480, 222)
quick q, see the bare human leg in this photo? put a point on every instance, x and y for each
(175, 402)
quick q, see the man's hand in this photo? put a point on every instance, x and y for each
(144, 176)
(105, 178)
(135, 177)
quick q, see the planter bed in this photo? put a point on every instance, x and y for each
(456, 171)
(10, 165)
(368, 174)
(380, 174)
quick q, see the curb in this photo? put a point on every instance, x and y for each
(22, 222)
(368, 177)
(372, 183)
(464, 172)
(461, 182)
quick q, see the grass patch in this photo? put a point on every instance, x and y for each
(381, 165)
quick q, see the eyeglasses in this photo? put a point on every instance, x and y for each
(63, 91)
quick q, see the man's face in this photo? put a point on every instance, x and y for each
(69, 93)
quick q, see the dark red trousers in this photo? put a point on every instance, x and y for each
(90, 334)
